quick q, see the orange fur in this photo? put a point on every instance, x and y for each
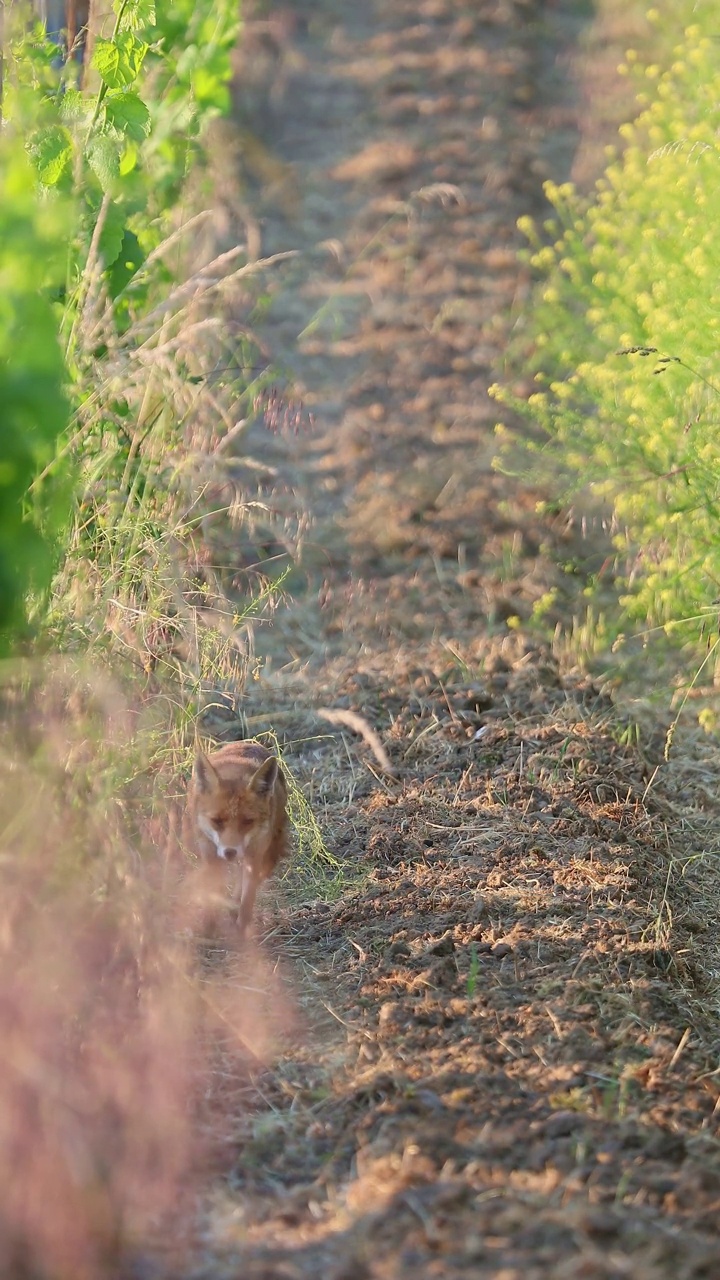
(236, 821)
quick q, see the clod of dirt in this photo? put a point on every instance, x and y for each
(399, 950)
(563, 1123)
(500, 950)
(443, 947)
(391, 1014)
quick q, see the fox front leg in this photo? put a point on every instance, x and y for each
(242, 911)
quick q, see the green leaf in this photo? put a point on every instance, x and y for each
(187, 61)
(135, 14)
(209, 89)
(112, 233)
(119, 61)
(130, 258)
(129, 158)
(104, 160)
(74, 105)
(51, 150)
(128, 113)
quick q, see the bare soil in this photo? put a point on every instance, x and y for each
(487, 1044)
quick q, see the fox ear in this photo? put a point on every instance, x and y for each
(264, 778)
(203, 773)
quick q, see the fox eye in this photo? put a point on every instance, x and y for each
(217, 822)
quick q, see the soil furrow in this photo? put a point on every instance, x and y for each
(500, 1063)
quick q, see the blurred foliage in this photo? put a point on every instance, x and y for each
(622, 339)
(34, 409)
(92, 169)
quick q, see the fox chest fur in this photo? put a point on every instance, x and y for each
(236, 820)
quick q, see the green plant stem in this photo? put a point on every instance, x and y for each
(103, 87)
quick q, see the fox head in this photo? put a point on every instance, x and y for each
(235, 813)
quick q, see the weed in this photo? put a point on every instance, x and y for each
(313, 869)
(628, 735)
(108, 1025)
(473, 971)
(630, 275)
(35, 410)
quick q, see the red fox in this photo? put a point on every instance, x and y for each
(236, 820)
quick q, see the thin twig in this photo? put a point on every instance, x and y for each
(359, 725)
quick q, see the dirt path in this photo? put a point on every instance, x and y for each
(501, 1065)
(406, 144)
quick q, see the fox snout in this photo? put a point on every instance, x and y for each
(233, 855)
(229, 852)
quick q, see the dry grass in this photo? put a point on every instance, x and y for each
(169, 386)
(462, 1046)
(508, 1012)
(129, 1042)
(120, 1042)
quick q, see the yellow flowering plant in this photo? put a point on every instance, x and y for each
(623, 336)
